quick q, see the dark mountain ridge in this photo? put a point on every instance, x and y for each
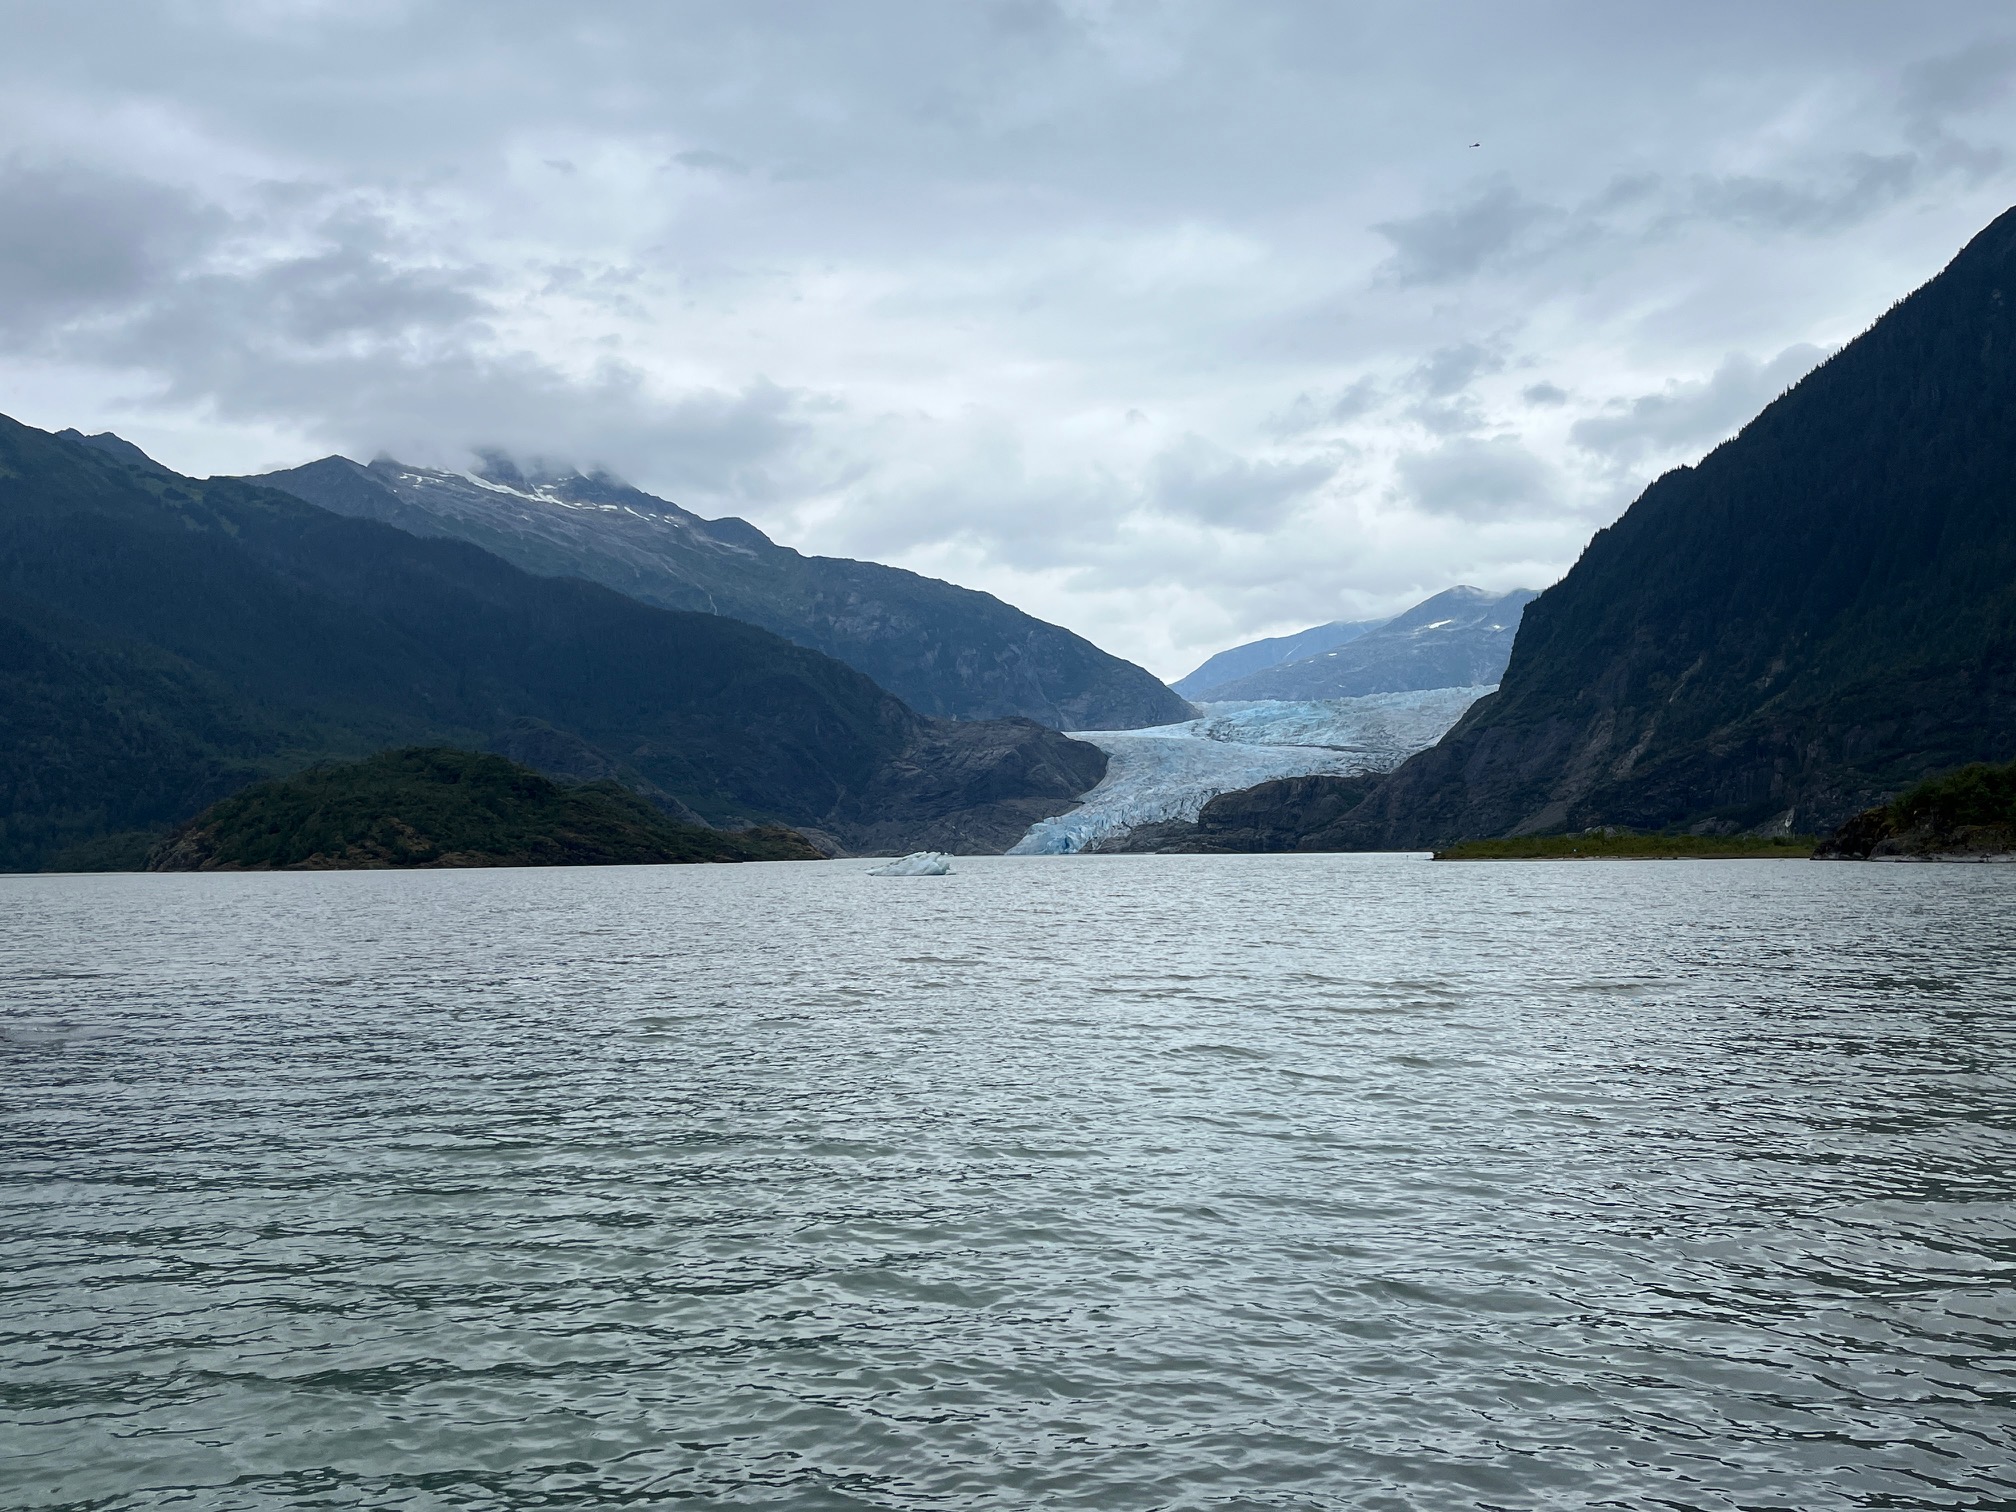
(165, 641)
(1817, 615)
(946, 651)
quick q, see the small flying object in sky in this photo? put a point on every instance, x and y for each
(1476, 144)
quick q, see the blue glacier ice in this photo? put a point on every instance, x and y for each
(1171, 771)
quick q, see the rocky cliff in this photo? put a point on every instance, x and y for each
(1820, 613)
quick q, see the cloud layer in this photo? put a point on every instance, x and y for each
(1176, 323)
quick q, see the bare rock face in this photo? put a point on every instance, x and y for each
(1870, 837)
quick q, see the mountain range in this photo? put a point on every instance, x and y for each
(1253, 656)
(946, 651)
(164, 641)
(1814, 617)
(1457, 639)
(1817, 615)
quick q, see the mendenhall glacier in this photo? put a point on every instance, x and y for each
(1171, 771)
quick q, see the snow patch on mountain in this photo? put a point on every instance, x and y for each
(1170, 772)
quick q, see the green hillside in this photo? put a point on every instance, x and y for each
(434, 807)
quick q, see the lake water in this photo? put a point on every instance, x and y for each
(1105, 1182)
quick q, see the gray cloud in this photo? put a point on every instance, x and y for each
(1438, 246)
(1460, 416)
(1203, 482)
(719, 162)
(1476, 479)
(76, 238)
(1451, 369)
(1959, 82)
(1861, 185)
(1544, 395)
(382, 349)
(1688, 416)
(1320, 411)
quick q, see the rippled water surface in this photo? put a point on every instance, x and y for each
(1108, 1182)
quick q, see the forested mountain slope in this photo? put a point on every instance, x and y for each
(1817, 615)
(945, 650)
(164, 641)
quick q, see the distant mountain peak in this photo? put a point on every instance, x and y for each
(113, 446)
(535, 477)
(1461, 637)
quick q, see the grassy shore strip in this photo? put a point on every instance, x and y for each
(1623, 845)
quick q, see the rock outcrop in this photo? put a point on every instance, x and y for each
(1968, 815)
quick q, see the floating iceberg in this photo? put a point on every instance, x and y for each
(1170, 772)
(917, 864)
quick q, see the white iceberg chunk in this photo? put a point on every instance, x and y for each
(917, 864)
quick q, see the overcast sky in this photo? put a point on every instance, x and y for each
(1177, 323)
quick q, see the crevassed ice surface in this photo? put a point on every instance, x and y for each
(1170, 772)
(1116, 1183)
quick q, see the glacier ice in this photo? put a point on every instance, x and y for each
(916, 864)
(1171, 771)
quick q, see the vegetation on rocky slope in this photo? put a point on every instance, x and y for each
(1967, 813)
(437, 807)
(1628, 845)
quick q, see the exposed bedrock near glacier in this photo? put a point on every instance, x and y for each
(1171, 771)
